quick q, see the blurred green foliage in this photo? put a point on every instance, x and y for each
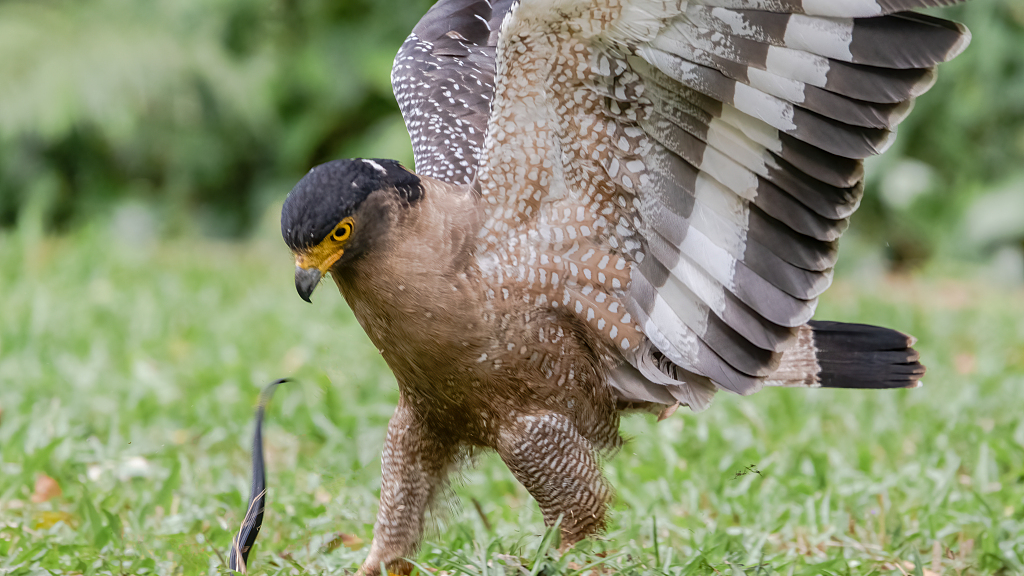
(204, 111)
(963, 141)
(192, 106)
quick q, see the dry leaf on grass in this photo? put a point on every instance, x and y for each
(350, 541)
(46, 488)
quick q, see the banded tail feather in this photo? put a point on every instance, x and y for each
(843, 355)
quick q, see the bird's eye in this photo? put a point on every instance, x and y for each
(342, 231)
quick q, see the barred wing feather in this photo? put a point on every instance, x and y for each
(677, 174)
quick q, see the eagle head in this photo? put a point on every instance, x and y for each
(340, 211)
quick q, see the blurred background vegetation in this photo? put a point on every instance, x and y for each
(174, 117)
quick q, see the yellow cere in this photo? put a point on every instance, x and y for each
(326, 253)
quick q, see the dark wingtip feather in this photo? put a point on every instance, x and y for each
(242, 543)
(962, 44)
(961, 34)
(906, 40)
(863, 356)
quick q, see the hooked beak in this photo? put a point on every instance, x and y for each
(306, 280)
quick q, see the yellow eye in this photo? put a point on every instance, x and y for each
(342, 231)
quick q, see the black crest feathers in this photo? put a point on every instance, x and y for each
(334, 190)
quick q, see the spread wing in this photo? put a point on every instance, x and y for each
(677, 173)
(443, 78)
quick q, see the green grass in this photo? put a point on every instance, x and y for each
(129, 372)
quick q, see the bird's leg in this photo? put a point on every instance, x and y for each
(413, 466)
(559, 468)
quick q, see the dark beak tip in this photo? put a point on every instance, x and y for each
(306, 280)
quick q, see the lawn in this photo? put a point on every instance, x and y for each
(129, 369)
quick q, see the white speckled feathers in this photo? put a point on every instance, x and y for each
(674, 173)
(443, 78)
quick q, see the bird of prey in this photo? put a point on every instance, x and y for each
(618, 205)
